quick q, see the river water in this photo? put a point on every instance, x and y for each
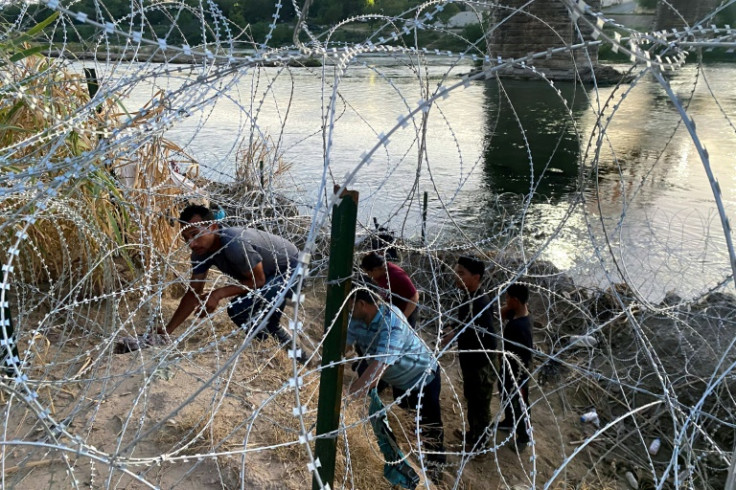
(512, 166)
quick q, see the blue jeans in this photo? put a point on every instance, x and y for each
(247, 306)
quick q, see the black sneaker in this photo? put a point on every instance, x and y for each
(302, 358)
(518, 445)
(435, 472)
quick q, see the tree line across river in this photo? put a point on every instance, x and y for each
(249, 21)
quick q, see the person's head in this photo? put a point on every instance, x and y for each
(469, 273)
(363, 304)
(373, 265)
(517, 296)
(199, 228)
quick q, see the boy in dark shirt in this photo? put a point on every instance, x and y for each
(514, 382)
(476, 344)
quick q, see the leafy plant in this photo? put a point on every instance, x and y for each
(647, 4)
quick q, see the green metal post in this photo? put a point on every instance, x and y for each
(93, 84)
(339, 282)
(424, 219)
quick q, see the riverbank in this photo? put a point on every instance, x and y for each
(646, 369)
(229, 411)
(151, 54)
(594, 349)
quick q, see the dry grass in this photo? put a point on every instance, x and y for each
(152, 180)
(600, 485)
(104, 215)
(366, 461)
(195, 433)
(91, 217)
(257, 163)
(273, 440)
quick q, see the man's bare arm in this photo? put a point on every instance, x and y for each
(369, 379)
(253, 280)
(507, 313)
(411, 305)
(187, 304)
(448, 337)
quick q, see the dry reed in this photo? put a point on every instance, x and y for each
(98, 210)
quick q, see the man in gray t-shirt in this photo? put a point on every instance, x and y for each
(259, 261)
(242, 249)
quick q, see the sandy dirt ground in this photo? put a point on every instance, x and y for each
(208, 413)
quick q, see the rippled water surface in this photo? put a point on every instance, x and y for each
(513, 163)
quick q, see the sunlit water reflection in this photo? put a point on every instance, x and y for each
(638, 205)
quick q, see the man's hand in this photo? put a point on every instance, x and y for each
(210, 303)
(139, 342)
(447, 338)
(369, 379)
(507, 312)
(355, 389)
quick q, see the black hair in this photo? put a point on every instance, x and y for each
(519, 291)
(189, 212)
(364, 294)
(371, 261)
(472, 264)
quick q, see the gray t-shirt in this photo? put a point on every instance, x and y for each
(244, 248)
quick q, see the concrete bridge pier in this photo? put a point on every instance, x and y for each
(537, 27)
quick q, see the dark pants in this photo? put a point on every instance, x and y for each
(244, 308)
(478, 384)
(511, 397)
(413, 318)
(433, 433)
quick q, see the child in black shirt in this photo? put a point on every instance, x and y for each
(476, 344)
(514, 382)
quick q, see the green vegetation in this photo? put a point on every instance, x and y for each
(248, 21)
(727, 16)
(647, 4)
(605, 51)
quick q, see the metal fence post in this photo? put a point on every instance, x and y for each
(339, 282)
(424, 219)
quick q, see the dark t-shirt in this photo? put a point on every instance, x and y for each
(518, 331)
(480, 334)
(244, 248)
(398, 283)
